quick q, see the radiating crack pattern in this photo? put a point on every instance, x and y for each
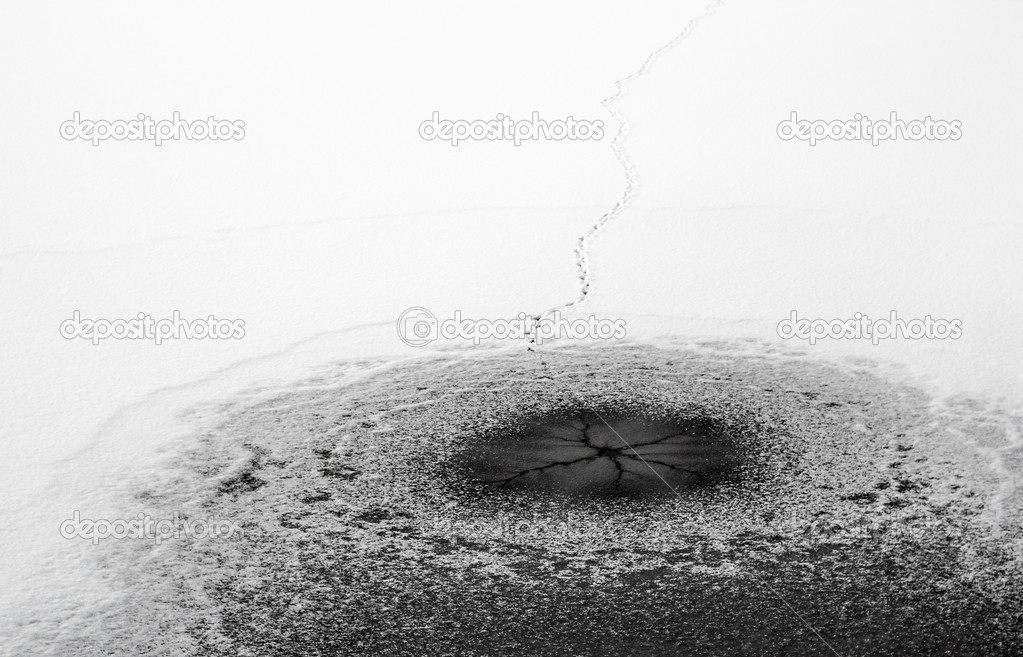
(582, 259)
(580, 454)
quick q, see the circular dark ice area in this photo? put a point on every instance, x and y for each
(596, 454)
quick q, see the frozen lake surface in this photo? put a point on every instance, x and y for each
(352, 462)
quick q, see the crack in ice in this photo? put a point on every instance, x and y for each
(582, 258)
(613, 454)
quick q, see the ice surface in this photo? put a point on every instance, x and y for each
(333, 217)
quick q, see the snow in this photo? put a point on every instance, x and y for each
(332, 216)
